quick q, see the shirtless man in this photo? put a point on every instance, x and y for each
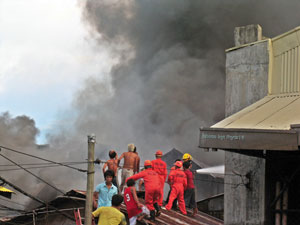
(130, 166)
(112, 164)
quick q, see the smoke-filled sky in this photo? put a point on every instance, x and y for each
(170, 77)
(147, 72)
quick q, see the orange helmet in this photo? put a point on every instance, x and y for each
(178, 164)
(147, 163)
(158, 152)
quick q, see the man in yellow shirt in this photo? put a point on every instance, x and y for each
(111, 215)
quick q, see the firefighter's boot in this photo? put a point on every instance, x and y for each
(157, 208)
(152, 215)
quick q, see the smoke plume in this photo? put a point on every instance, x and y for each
(19, 134)
(169, 79)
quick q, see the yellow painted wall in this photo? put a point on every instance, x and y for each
(284, 74)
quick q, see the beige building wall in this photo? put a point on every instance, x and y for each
(285, 63)
(254, 70)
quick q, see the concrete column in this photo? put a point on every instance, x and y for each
(246, 83)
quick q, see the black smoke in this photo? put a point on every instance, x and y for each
(169, 79)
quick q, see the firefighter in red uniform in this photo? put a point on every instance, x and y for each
(177, 180)
(152, 188)
(161, 168)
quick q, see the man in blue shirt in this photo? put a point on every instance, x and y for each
(105, 190)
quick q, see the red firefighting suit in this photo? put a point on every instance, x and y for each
(178, 181)
(152, 186)
(161, 168)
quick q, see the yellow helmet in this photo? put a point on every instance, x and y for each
(187, 157)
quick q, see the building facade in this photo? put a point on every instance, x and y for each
(260, 134)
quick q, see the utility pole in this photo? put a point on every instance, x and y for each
(90, 180)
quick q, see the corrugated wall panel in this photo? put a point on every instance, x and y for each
(298, 69)
(286, 63)
(287, 71)
(293, 75)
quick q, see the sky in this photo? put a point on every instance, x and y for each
(46, 53)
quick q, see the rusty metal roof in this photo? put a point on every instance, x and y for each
(173, 217)
(176, 218)
(213, 197)
(166, 218)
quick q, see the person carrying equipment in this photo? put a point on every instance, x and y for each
(177, 180)
(161, 168)
(152, 188)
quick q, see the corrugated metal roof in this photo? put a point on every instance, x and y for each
(166, 218)
(271, 112)
(212, 197)
(176, 218)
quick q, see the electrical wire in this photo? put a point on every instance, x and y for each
(39, 179)
(47, 163)
(66, 163)
(97, 161)
(34, 167)
(16, 151)
(36, 211)
(51, 166)
(43, 165)
(33, 174)
(36, 199)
